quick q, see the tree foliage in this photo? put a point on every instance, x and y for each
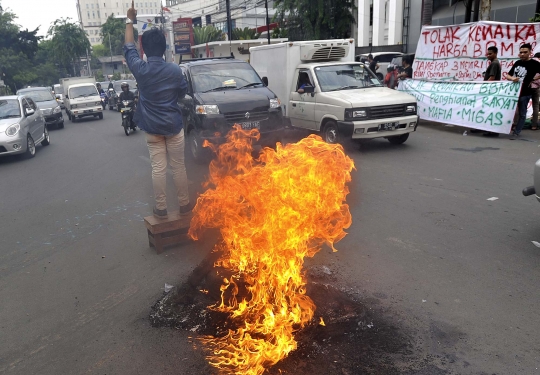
(113, 35)
(207, 34)
(69, 42)
(244, 34)
(316, 19)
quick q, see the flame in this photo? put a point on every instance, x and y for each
(321, 322)
(272, 212)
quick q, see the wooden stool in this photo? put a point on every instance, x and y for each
(170, 231)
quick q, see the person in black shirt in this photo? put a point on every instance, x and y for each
(127, 95)
(492, 73)
(524, 70)
(373, 66)
(407, 68)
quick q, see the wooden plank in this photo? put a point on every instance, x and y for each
(173, 222)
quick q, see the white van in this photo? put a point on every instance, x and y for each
(323, 89)
(81, 98)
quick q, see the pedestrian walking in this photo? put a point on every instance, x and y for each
(492, 73)
(524, 70)
(161, 85)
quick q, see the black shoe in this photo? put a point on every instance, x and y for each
(186, 210)
(160, 214)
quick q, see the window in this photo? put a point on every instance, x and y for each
(93, 14)
(88, 14)
(25, 105)
(31, 103)
(87, 6)
(304, 80)
(92, 40)
(145, 4)
(105, 15)
(98, 14)
(104, 5)
(92, 6)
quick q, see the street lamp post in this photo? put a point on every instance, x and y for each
(110, 50)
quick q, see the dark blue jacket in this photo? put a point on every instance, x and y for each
(161, 85)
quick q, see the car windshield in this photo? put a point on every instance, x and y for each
(39, 95)
(9, 108)
(81, 91)
(58, 89)
(345, 77)
(223, 76)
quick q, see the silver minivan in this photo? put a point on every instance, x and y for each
(47, 104)
(22, 126)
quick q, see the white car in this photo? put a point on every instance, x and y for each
(22, 126)
(383, 59)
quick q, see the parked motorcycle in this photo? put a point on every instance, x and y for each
(127, 108)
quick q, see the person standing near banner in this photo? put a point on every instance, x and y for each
(524, 70)
(407, 68)
(535, 85)
(492, 73)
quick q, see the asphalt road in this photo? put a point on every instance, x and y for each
(427, 247)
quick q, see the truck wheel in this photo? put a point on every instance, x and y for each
(331, 132)
(100, 116)
(61, 124)
(398, 139)
(73, 119)
(68, 115)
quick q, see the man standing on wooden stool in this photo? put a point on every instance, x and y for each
(160, 85)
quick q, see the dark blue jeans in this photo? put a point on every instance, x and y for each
(522, 112)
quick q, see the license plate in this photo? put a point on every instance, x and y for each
(251, 125)
(388, 126)
(87, 111)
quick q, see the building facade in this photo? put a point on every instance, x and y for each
(450, 12)
(387, 25)
(94, 13)
(244, 13)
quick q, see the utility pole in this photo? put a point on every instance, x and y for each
(268, 21)
(229, 21)
(468, 10)
(110, 50)
(476, 15)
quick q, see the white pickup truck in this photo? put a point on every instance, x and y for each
(81, 98)
(323, 89)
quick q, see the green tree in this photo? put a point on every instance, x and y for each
(100, 50)
(113, 31)
(244, 34)
(69, 42)
(207, 34)
(316, 19)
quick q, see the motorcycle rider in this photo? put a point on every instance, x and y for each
(99, 89)
(127, 95)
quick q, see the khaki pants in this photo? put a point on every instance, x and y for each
(159, 147)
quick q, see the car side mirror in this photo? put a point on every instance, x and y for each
(67, 97)
(29, 111)
(265, 80)
(309, 89)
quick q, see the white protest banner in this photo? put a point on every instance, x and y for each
(486, 106)
(459, 51)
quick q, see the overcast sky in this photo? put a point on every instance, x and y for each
(34, 13)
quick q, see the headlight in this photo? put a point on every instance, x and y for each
(13, 130)
(207, 109)
(410, 109)
(57, 109)
(275, 103)
(125, 102)
(73, 106)
(98, 103)
(355, 113)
